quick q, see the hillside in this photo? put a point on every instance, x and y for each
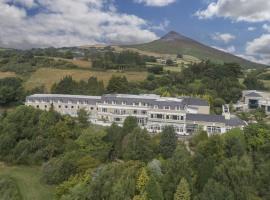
(175, 43)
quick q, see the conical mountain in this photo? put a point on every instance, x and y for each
(176, 43)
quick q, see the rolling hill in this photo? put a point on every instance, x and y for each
(175, 43)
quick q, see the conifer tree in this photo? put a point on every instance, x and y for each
(182, 191)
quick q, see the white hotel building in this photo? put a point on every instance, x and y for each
(185, 114)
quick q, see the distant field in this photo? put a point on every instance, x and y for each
(7, 74)
(266, 83)
(49, 76)
(28, 182)
(80, 63)
(173, 69)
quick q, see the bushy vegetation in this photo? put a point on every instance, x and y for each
(123, 60)
(69, 86)
(87, 162)
(8, 189)
(24, 62)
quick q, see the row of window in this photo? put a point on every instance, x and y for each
(125, 103)
(60, 101)
(143, 104)
(168, 117)
(65, 106)
(123, 112)
(266, 108)
(213, 129)
(155, 128)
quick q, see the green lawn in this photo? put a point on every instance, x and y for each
(266, 83)
(28, 182)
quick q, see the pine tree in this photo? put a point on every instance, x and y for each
(142, 181)
(168, 142)
(182, 191)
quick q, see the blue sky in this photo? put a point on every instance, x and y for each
(181, 17)
(241, 27)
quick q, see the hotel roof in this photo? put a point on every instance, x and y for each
(129, 99)
(206, 118)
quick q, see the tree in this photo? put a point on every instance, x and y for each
(256, 135)
(168, 142)
(83, 118)
(11, 90)
(169, 62)
(129, 125)
(114, 136)
(142, 180)
(174, 170)
(182, 191)
(252, 82)
(66, 86)
(137, 146)
(215, 191)
(118, 84)
(153, 189)
(155, 69)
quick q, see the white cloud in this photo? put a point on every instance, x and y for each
(251, 28)
(239, 10)
(158, 3)
(259, 49)
(68, 23)
(266, 27)
(162, 26)
(223, 37)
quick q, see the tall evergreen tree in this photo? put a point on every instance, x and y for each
(168, 142)
(182, 192)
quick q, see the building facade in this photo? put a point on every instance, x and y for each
(186, 114)
(253, 99)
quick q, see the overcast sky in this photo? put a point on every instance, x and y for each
(241, 27)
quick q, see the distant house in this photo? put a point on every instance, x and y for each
(253, 99)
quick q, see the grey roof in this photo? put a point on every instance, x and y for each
(235, 122)
(195, 101)
(65, 98)
(253, 94)
(205, 118)
(149, 99)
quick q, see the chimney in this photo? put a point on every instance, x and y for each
(226, 111)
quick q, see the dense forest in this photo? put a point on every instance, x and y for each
(89, 162)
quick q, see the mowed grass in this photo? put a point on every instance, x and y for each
(266, 83)
(7, 74)
(28, 181)
(49, 76)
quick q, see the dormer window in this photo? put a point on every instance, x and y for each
(167, 107)
(136, 104)
(124, 103)
(113, 102)
(155, 106)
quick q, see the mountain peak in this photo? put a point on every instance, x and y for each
(173, 36)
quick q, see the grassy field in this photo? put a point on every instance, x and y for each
(173, 69)
(7, 74)
(49, 76)
(266, 83)
(80, 63)
(28, 182)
